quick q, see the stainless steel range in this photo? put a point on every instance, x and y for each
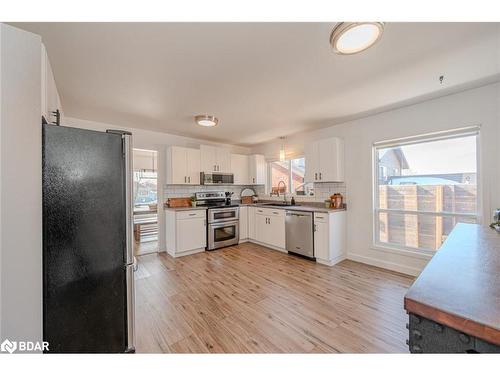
(223, 219)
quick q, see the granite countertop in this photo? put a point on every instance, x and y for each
(301, 206)
(166, 208)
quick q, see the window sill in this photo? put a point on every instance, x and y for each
(405, 251)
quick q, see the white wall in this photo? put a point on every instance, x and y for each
(20, 185)
(150, 140)
(479, 106)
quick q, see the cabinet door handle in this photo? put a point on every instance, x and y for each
(320, 176)
(316, 176)
(315, 228)
(189, 179)
(185, 179)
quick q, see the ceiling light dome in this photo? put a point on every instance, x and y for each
(348, 38)
(206, 120)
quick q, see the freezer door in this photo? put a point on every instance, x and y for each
(84, 241)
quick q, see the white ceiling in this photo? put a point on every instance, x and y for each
(262, 80)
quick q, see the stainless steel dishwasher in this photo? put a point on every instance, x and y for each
(299, 233)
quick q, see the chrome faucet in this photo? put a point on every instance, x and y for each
(284, 194)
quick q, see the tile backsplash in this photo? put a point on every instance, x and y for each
(322, 191)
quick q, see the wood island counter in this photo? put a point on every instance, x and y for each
(454, 305)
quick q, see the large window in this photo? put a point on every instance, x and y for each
(423, 187)
(291, 172)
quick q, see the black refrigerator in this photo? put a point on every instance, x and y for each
(88, 262)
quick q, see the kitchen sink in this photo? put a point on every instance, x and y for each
(282, 204)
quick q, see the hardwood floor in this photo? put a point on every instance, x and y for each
(250, 299)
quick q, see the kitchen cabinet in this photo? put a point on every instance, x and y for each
(243, 223)
(329, 237)
(239, 168)
(215, 159)
(50, 99)
(183, 166)
(186, 231)
(256, 170)
(270, 227)
(251, 223)
(324, 160)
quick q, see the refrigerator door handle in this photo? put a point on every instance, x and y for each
(127, 151)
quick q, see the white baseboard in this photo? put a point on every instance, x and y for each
(412, 271)
(332, 262)
(268, 246)
(184, 253)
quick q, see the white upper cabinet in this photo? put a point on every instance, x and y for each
(193, 166)
(239, 168)
(50, 96)
(183, 166)
(215, 159)
(325, 160)
(223, 160)
(256, 170)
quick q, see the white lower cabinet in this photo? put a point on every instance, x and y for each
(270, 227)
(186, 231)
(243, 223)
(330, 237)
(251, 223)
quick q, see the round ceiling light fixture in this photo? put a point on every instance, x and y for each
(348, 38)
(206, 120)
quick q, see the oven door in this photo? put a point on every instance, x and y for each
(223, 234)
(217, 215)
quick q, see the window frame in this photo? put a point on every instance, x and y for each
(443, 135)
(269, 184)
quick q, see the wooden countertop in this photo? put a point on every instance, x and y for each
(460, 287)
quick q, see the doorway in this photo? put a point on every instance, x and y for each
(145, 201)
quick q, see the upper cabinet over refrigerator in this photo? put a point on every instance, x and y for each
(325, 160)
(51, 103)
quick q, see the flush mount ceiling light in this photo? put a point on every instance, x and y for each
(348, 38)
(206, 120)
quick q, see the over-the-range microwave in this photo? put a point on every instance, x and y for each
(216, 178)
